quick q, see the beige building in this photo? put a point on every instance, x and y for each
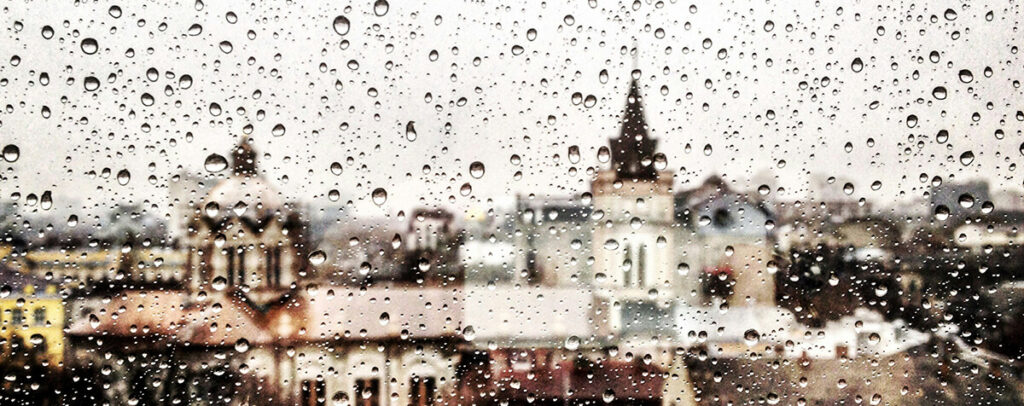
(243, 235)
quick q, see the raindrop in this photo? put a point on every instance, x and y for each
(341, 25)
(574, 154)
(91, 83)
(385, 318)
(751, 337)
(226, 47)
(966, 158)
(572, 343)
(608, 396)
(379, 196)
(212, 209)
(215, 163)
(966, 76)
(219, 283)
(317, 257)
(89, 46)
(410, 131)
(278, 130)
(11, 152)
(941, 212)
(966, 201)
(857, 65)
(939, 93)
(380, 7)
(123, 177)
(476, 169)
(242, 345)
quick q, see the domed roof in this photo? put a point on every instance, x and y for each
(244, 185)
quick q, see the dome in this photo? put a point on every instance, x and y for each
(245, 185)
(258, 196)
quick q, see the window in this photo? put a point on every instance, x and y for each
(314, 393)
(502, 202)
(367, 392)
(39, 316)
(421, 391)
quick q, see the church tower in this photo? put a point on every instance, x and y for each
(243, 237)
(634, 241)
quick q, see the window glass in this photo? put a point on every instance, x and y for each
(495, 202)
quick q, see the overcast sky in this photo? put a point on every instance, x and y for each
(770, 87)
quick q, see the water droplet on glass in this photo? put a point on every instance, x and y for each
(89, 46)
(572, 343)
(123, 177)
(242, 345)
(476, 169)
(91, 83)
(966, 201)
(857, 65)
(410, 131)
(967, 158)
(11, 152)
(278, 130)
(379, 196)
(317, 257)
(341, 25)
(966, 76)
(212, 209)
(226, 47)
(215, 163)
(219, 283)
(385, 318)
(380, 7)
(939, 93)
(751, 337)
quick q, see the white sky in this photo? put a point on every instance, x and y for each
(508, 98)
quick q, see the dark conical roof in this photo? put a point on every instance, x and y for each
(633, 145)
(243, 159)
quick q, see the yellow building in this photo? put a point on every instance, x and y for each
(31, 320)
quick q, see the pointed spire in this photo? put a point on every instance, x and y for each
(634, 147)
(243, 158)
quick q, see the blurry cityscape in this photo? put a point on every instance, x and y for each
(634, 292)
